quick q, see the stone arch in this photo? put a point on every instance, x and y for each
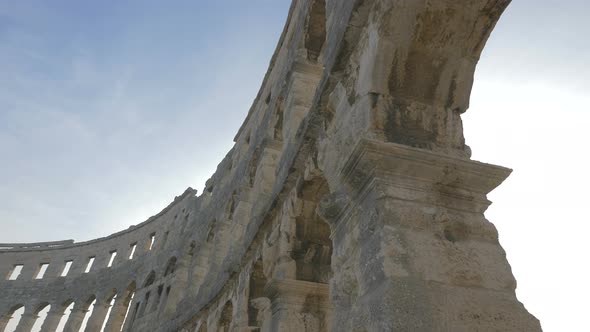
(313, 247)
(225, 318)
(143, 306)
(149, 280)
(79, 317)
(134, 313)
(253, 166)
(102, 311)
(277, 120)
(12, 318)
(170, 266)
(131, 287)
(110, 294)
(258, 303)
(315, 36)
(64, 309)
(121, 309)
(41, 314)
(231, 205)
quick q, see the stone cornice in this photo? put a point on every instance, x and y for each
(416, 172)
(376, 158)
(298, 292)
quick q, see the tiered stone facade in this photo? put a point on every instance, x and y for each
(348, 203)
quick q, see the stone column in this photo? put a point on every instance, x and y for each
(75, 320)
(52, 320)
(115, 320)
(26, 322)
(98, 316)
(299, 306)
(133, 311)
(179, 283)
(412, 248)
(4, 321)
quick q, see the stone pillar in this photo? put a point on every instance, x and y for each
(26, 322)
(75, 320)
(301, 88)
(179, 283)
(4, 321)
(54, 269)
(133, 311)
(299, 306)
(98, 316)
(52, 320)
(413, 250)
(117, 316)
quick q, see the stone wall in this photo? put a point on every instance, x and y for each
(348, 203)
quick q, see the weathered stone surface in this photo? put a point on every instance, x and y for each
(348, 203)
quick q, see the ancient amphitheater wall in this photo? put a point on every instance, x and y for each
(348, 203)
(97, 269)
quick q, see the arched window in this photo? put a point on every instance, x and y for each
(13, 316)
(316, 30)
(67, 308)
(313, 247)
(257, 302)
(127, 298)
(111, 302)
(225, 319)
(41, 314)
(150, 279)
(171, 266)
(89, 308)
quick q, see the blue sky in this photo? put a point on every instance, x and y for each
(108, 109)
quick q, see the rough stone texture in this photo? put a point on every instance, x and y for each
(348, 203)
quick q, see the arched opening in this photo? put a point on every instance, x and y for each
(133, 314)
(159, 294)
(257, 302)
(166, 294)
(88, 308)
(122, 313)
(14, 315)
(111, 303)
(146, 302)
(225, 319)
(41, 314)
(277, 127)
(170, 266)
(143, 305)
(231, 205)
(150, 279)
(316, 30)
(312, 250)
(68, 307)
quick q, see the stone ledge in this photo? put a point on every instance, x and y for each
(298, 292)
(383, 159)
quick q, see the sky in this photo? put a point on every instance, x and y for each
(109, 109)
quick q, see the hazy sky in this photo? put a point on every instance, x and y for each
(109, 109)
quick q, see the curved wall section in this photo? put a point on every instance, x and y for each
(349, 201)
(60, 273)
